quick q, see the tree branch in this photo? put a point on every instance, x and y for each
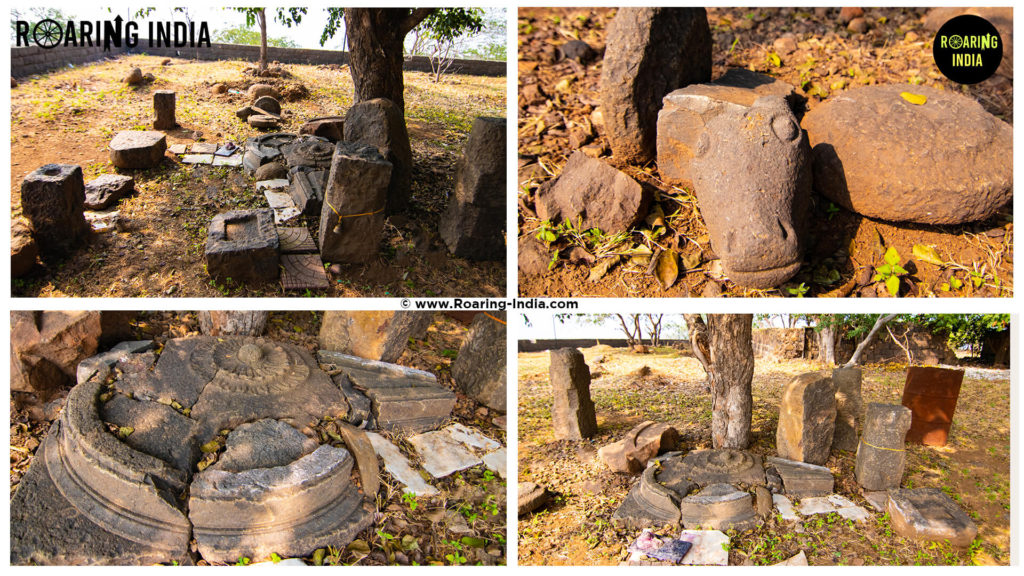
(855, 359)
(413, 19)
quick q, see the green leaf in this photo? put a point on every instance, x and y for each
(955, 283)
(359, 549)
(885, 270)
(928, 254)
(892, 256)
(877, 278)
(474, 542)
(774, 59)
(899, 270)
(318, 556)
(274, 557)
(892, 284)
(547, 236)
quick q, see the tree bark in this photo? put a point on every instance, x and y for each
(855, 359)
(261, 19)
(233, 322)
(827, 345)
(376, 39)
(724, 347)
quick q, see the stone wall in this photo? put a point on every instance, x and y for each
(29, 60)
(781, 343)
(789, 343)
(541, 345)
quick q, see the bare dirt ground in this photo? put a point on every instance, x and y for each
(557, 97)
(973, 469)
(464, 525)
(69, 117)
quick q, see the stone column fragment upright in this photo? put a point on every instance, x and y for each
(163, 107)
(53, 199)
(849, 407)
(381, 123)
(881, 455)
(479, 369)
(375, 335)
(807, 417)
(573, 412)
(352, 217)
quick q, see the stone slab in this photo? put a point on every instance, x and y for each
(497, 462)
(295, 240)
(137, 149)
(358, 443)
(807, 415)
(472, 438)
(802, 479)
(704, 467)
(719, 506)
(531, 497)
(479, 368)
(230, 161)
(177, 149)
(833, 503)
(396, 464)
(785, 507)
(282, 205)
(274, 184)
(204, 148)
(878, 499)
(800, 559)
(303, 272)
(263, 444)
(442, 454)
(197, 159)
(99, 366)
(929, 515)
(710, 548)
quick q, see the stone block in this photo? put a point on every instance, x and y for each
(931, 394)
(479, 368)
(303, 272)
(330, 127)
(137, 149)
(163, 109)
(52, 199)
(881, 455)
(352, 217)
(307, 190)
(376, 335)
(242, 245)
(573, 413)
(704, 467)
(849, 407)
(106, 190)
(927, 514)
(380, 123)
(807, 417)
(531, 496)
(645, 441)
(802, 479)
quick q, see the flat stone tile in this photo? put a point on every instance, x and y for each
(232, 161)
(471, 438)
(785, 507)
(302, 272)
(398, 466)
(497, 462)
(710, 548)
(833, 503)
(283, 206)
(204, 148)
(272, 184)
(296, 240)
(441, 454)
(197, 159)
(177, 149)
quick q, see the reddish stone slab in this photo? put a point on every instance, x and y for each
(931, 394)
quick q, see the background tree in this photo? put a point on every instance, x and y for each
(723, 345)
(247, 37)
(258, 16)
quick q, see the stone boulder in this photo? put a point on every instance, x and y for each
(381, 123)
(268, 104)
(948, 160)
(849, 407)
(531, 497)
(881, 455)
(134, 77)
(257, 91)
(107, 189)
(927, 514)
(573, 413)
(590, 190)
(649, 52)
(807, 417)
(137, 149)
(270, 171)
(479, 369)
(24, 249)
(645, 441)
(52, 200)
(375, 335)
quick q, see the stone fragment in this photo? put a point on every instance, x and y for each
(649, 53)
(242, 245)
(163, 109)
(203, 148)
(878, 499)
(402, 398)
(266, 443)
(479, 368)
(376, 335)
(785, 507)
(275, 184)
(833, 503)
(307, 190)
(719, 507)
(106, 190)
(244, 112)
(303, 272)
(881, 455)
(473, 226)
(849, 407)
(709, 548)
(533, 256)
(330, 127)
(645, 441)
(650, 502)
(99, 366)
(685, 113)
(157, 430)
(800, 559)
(308, 151)
(380, 123)
(268, 104)
(46, 348)
(295, 240)
(281, 203)
(497, 462)
(442, 455)
(271, 171)
(134, 77)
(573, 413)
(352, 217)
(931, 394)
(263, 121)
(177, 149)
(257, 91)
(137, 149)
(938, 183)
(802, 479)
(704, 467)
(359, 444)
(52, 199)
(398, 466)
(197, 159)
(594, 193)
(232, 161)
(531, 497)
(359, 405)
(807, 416)
(751, 174)
(24, 249)
(929, 515)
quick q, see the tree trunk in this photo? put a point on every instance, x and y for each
(376, 39)
(724, 347)
(233, 322)
(855, 359)
(827, 345)
(261, 18)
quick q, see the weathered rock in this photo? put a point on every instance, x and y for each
(380, 123)
(686, 111)
(330, 127)
(268, 104)
(352, 217)
(398, 466)
(751, 174)
(881, 455)
(163, 109)
(833, 503)
(929, 515)
(573, 413)
(931, 394)
(595, 193)
(52, 199)
(849, 407)
(704, 467)
(473, 226)
(99, 366)
(359, 405)
(106, 190)
(242, 245)
(442, 455)
(650, 502)
(263, 149)
(134, 77)
(762, 501)
(264, 121)
(359, 444)
(926, 180)
(645, 441)
(308, 151)
(533, 257)
(719, 507)
(46, 348)
(402, 399)
(531, 497)
(307, 189)
(244, 112)
(649, 53)
(802, 479)
(257, 91)
(785, 507)
(271, 171)
(497, 462)
(577, 50)
(265, 443)
(376, 335)
(24, 249)
(807, 418)
(157, 430)
(137, 149)
(479, 369)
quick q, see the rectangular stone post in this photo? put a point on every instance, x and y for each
(352, 217)
(163, 107)
(849, 407)
(53, 198)
(807, 418)
(573, 411)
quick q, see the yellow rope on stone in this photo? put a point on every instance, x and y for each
(498, 320)
(340, 216)
(883, 448)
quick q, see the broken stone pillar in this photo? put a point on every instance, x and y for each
(649, 52)
(52, 199)
(849, 407)
(352, 217)
(929, 515)
(473, 226)
(308, 151)
(807, 418)
(704, 467)
(330, 127)
(881, 455)
(376, 335)
(233, 322)
(802, 479)
(163, 107)
(381, 123)
(242, 245)
(307, 189)
(46, 348)
(719, 507)
(645, 441)
(573, 412)
(931, 394)
(137, 149)
(479, 369)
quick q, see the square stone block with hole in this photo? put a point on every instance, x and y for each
(242, 245)
(53, 199)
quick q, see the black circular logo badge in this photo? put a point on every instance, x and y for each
(967, 49)
(47, 33)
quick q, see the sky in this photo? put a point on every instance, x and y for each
(544, 326)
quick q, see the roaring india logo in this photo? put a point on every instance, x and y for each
(967, 49)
